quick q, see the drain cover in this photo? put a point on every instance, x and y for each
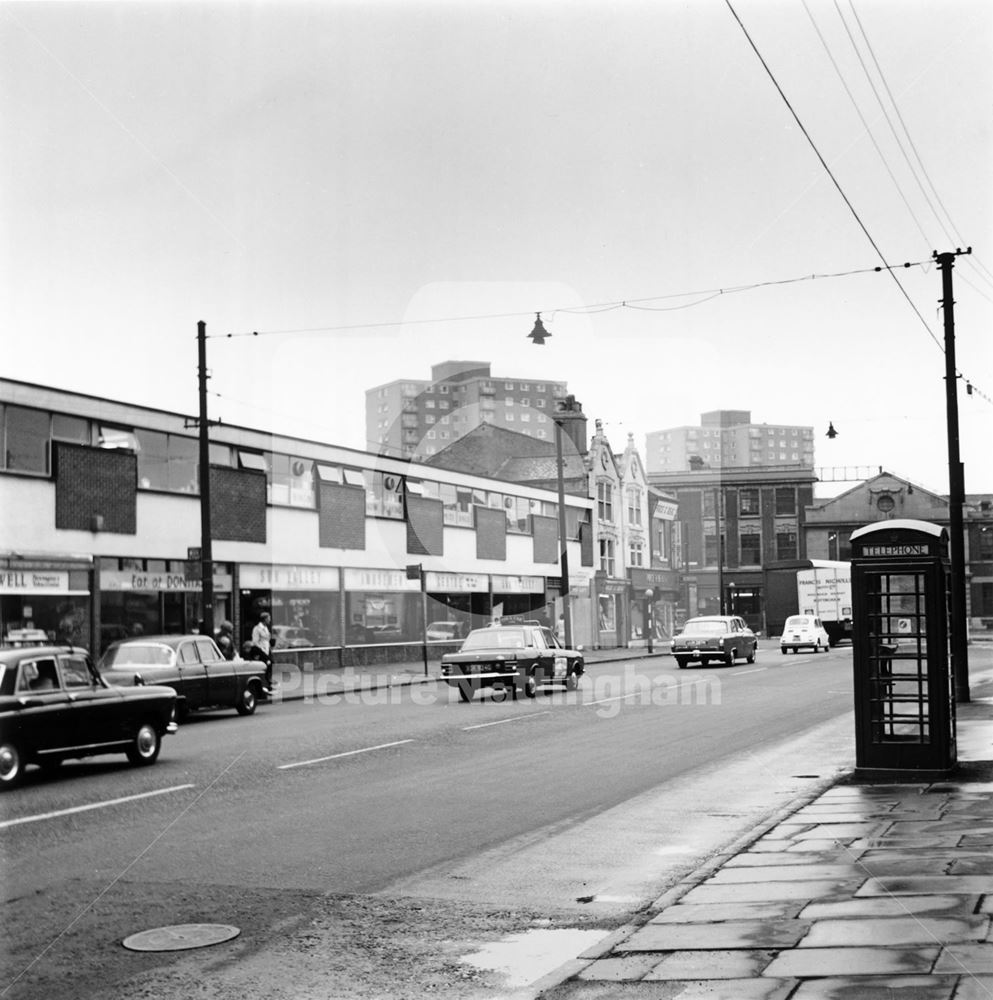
(181, 936)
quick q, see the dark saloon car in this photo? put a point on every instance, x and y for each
(714, 637)
(55, 706)
(520, 658)
(190, 664)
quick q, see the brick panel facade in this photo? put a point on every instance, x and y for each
(96, 489)
(425, 526)
(341, 511)
(237, 504)
(491, 533)
(546, 538)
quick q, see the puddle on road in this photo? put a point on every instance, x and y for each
(525, 957)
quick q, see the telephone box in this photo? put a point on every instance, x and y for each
(904, 692)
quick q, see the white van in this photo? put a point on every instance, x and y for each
(803, 632)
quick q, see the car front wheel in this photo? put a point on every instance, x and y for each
(681, 661)
(11, 764)
(145, 746)
(530, 686)
(729, 657)
(751, 656)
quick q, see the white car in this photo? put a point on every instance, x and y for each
(803, 632)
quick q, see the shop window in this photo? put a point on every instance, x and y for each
(785, 502)
(605, 501)
(634, 509)
(751, 548)
(167, 462)
(518, 515)
(252, 460)
(607, 556)
(291, 481)
(786, 543)
(330, 474)
(748, 502)
(74, 429)
(117, 437)
(385, 497)
(25, 439)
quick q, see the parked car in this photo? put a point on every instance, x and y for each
(190, 664)
(291, 637)
(803, 632)
(441, 631)
(714, 637)
(522, 658)
(55, 706)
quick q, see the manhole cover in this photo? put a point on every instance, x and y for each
(181, 936)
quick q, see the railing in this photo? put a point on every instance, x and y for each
(364, 655)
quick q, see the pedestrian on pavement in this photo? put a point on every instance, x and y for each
(262, 647)
(225, 640)
(560, 629)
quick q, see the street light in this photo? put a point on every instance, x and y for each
(649, 595)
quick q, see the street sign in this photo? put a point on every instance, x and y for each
(194, 552)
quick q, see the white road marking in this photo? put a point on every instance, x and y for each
(347, 753)
(620, 697)
(754, 670)
(94, 805)
(500, 722)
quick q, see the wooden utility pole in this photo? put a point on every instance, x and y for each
(956, 487)
(206, 550)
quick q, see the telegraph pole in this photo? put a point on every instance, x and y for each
(206, 551)
(956, 486)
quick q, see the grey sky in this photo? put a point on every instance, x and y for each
(305, 167)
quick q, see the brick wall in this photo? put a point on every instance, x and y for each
(93, 484)
(491, 533)
(237, 504)
(425, 526)
(341, 516)
(546, 538)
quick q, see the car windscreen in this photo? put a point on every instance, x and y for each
(699, 627)
(495, 639)
(131, 653)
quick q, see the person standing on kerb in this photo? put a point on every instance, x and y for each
(262, 647)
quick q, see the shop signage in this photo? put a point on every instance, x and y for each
(666, 511)
(21, 581)
(379, 579)
(518, 584)
(462, 582)
(123, 579)
(257, 577)
(888, 551)
(613, 586)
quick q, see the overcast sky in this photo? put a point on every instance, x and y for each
(322, 172)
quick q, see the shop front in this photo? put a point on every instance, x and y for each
(520, 597)
(465, 598)
(157, 596)
(663, 585)
(304, 602)
(382, 606)
(53, 594)
(612, 611)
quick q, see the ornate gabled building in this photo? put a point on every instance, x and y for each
(828, 526)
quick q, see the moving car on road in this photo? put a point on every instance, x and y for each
(714, 638)
(803, 632)
(55, 706)
(520, 657)
(192, 666)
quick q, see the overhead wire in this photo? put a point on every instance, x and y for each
(910, 140)
(865, 123)
(834, 180)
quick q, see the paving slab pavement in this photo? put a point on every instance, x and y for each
(874, 888)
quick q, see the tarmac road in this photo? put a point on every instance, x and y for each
(314, 826)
